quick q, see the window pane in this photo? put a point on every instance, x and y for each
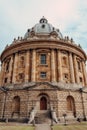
(43, 74)
(43, 59)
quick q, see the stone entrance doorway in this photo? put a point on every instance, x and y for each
(71, 106)
(43, 103)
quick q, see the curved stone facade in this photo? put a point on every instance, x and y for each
(43, 69)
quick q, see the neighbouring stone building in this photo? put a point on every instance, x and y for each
(43, 70)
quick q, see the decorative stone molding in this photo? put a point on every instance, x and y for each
(55, 85)
(54, 43)
(66, 86)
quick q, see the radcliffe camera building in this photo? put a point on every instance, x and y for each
(45, 72)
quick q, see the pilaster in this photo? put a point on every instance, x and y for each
(84, 72)
(33, 71)
(2, 73)
(71, 68)
(76, 69)
(59, 66)
(27, 66)
(10, 70)
(53, 66)
(15, 68)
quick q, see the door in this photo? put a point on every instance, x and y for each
(43, 103)
(71, 105)
(16, 104)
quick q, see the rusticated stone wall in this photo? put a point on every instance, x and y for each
(56, 99)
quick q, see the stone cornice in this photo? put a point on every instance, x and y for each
(84, 89)
(42, 43)
(53, 85)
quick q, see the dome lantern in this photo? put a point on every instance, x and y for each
(43, 20)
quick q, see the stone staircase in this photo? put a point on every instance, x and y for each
(42, 117)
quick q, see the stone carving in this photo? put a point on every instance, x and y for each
(32, 116)
(53, 114)
(33, 113)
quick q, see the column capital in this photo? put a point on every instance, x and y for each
(58, 49)
(70, 53)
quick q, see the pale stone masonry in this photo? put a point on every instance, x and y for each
(71, 68)
(59, 66)
(76, 69)
(33, 73)
(53, 66)
(43, 71)
(15, 68)
(27, 70)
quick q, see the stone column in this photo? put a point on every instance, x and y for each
(33, 71)
(84, 73)
(2, 73)
(76, 69)
(27, 66)
(53, 74)
(59, 66)
(10, 70)
(71, 68)
(15, 68)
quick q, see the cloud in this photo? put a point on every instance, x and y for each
(68, 15)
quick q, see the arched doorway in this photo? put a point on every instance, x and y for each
(71, 105)
(43, 103)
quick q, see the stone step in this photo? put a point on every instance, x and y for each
(42, 121)
(42, 117)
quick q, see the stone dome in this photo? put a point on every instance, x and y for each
(43, 28)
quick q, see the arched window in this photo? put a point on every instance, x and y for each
(70, 103)
(43, 103)
(16, 104)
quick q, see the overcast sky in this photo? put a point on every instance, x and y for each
(16, 16)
